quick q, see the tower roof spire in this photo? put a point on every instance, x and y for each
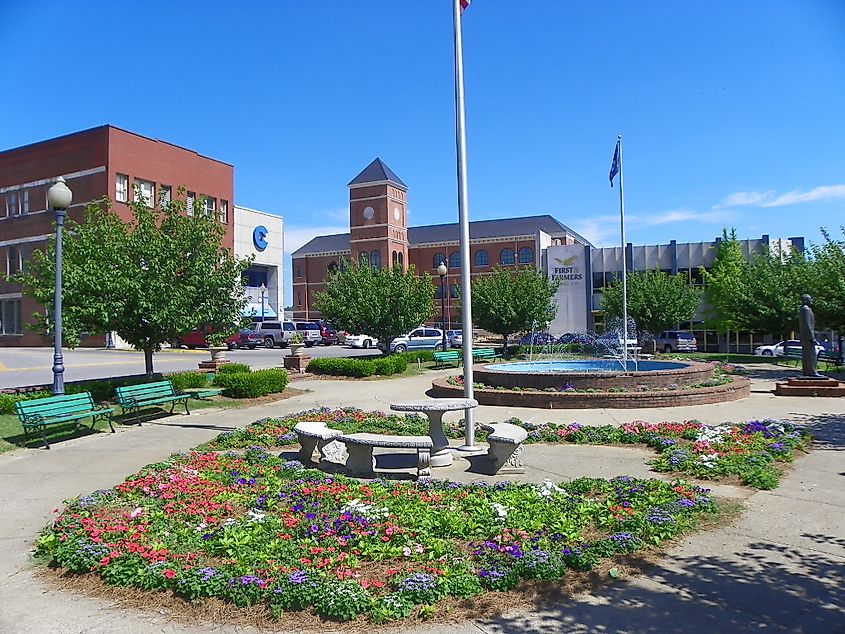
(376, 172)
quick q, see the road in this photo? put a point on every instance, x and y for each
(20, 367)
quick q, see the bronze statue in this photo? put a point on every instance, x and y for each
(806, 329)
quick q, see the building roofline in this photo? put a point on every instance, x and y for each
(258, 211)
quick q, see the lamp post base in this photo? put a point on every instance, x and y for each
(470, 450)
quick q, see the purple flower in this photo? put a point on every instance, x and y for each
(298, 577)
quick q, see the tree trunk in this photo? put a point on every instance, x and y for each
(148, 362)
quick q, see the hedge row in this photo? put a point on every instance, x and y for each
(229, 368)
(7, 401)
(383, 366)
(252, 384)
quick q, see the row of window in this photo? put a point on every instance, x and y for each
(145, 191)
(507, 257)
(17, 202)
(14, 259)
(10, 317)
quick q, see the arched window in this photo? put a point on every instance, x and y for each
(394, 259)
(401, 261)
(375, 260)
(526, 255)
(481, 258)
(455, 260)
(506, 257)
(364, 258)
(439, 258)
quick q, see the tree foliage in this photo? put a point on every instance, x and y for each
(385, 303)
(827, 282)
(150, 280)
(775, 282)
(507, 302)
(726, 286)
(656, 300)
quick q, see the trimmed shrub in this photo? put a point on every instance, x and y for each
(252, 384)
(394, 364)
(7, 401)
(414, 355)
(102, 390)
(181, 380)
(233, 367)
(342, 367)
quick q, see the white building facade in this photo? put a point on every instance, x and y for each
(260, 235)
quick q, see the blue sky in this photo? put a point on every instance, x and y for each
(733, 113)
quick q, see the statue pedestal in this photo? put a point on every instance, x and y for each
(296, 362)
(810, 386)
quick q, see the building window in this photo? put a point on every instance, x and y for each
(481, 258)
(189, 203)
(526, 255)
(438, 292)
(209, 206)
(223, 213)
(439, 258)
(506, 257)
(364, 258)
(13, 203)
(332, 268)
(121, 188)
(10, 317)
(401, 261)
(165, 194)
(145, 192)
(299, 298)
(375, 260)
(13, 259)
(455, 260)
(298, 270)
(453, 291)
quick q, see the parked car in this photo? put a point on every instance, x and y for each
(328, 335)
(576, 337)
(360, 341)
(273, 333)
(537, 339)
(198, 338)
(776, 349)
(310, 332)
(676, 341)
(455, 338)
(249, 339)
(421, 338)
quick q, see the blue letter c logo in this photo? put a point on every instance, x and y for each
(259, 237)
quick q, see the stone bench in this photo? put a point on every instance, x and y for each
(434, 408)
(360, 447)
(317, 434)
(506, 448)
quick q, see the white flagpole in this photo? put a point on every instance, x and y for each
(463, 214)
(624, 261)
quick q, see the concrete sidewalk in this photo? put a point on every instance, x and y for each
(780, 567)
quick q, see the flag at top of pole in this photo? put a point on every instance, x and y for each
(614, 165)
(464, 4)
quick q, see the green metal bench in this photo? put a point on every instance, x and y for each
(830, 360)
(481, 354)
(793, 353)
(446, 356)
(134, 398)
(40, 413)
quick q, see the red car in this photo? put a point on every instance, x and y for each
(197, 339)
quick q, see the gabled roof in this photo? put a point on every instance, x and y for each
(478, 230)
(376, 172)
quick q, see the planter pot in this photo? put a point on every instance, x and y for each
(218, 353)
(296, 348)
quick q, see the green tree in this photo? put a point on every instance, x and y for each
(726, 286)
(385, 303)
(776, 280)
(826, 281)
(656, 300)
(150, 280)
(507, 302)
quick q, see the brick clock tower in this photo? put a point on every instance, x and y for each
(378, 217)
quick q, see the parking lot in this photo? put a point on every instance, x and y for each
(21, 367)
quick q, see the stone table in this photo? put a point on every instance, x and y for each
(434, 408)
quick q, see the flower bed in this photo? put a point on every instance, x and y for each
(253, 529)
(755, 452)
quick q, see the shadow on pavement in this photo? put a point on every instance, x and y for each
(828, 429)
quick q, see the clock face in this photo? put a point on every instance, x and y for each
(396, 213)
(369, 212)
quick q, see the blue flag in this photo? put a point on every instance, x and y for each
(614, 166)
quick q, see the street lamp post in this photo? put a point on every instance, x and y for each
(441, 271)
(262, 289)
(59, 198)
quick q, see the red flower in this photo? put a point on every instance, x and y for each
(169, 573)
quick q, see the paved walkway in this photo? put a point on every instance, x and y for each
(779, 568)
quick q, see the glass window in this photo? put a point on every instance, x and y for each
(453, 291)
(24, 198)
(13, 259)
(481, 258)
(430, 332)
(189, 203)
(10, 317)
(439, 258)
(298, 298)
(418, 332)
(13, 203)
(121, 188)
(223, 213)
(364, 258)
(438, 292)
(298, 270)
(332, 268)
(506, 257)
(455, 260)
(375, 260)
(144, 192)
(165, 194)
(401, 261)
(526, 255)
(209, 206)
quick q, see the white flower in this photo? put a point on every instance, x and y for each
(548, 489)
(500, 511)
(708, 460)
(254, 515)
(713, 434)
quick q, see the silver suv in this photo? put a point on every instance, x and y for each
(273, 333)
(676, 341)
(310, 332)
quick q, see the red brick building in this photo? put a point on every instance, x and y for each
(102, 161)
(379, 236)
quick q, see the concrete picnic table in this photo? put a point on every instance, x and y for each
(434, 408)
